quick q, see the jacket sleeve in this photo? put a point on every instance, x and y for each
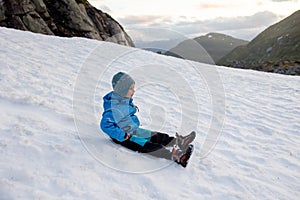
(110, 127)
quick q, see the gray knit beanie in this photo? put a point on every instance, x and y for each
(121, 83)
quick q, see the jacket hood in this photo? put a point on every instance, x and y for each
(114, 99)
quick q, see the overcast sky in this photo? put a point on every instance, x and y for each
(243, 19)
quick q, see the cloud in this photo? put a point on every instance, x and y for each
(261, 19)
(214, 6)
(246, 27)
(105, 8)
(282, 0)
(137, 20)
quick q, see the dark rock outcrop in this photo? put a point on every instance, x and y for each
(66, 18)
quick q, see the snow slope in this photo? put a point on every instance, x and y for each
(51, 146)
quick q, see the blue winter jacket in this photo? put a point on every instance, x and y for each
(119, 118)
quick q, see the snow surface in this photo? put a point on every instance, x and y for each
(51, 146)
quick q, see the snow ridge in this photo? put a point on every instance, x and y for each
(42, 155)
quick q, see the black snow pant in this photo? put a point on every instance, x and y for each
(157, 146)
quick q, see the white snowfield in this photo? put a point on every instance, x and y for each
(51, 146)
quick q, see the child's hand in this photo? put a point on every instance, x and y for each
(128, 136)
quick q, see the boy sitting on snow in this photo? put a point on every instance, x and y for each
(122, 125)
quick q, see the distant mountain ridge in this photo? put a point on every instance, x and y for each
(66, 18)
(276, 49)
(217, 45)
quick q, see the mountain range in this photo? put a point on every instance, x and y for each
(217, 45)
(276, 49)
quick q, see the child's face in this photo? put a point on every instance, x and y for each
(130, 92)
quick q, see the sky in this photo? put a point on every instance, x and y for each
(243, 19)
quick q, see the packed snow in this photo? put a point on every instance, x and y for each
(51, 146)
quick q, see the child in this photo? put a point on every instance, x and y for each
(122, 125)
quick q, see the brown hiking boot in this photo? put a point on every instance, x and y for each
(184, 141)
(182, 157)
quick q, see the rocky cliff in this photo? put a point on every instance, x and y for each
(66, 18)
